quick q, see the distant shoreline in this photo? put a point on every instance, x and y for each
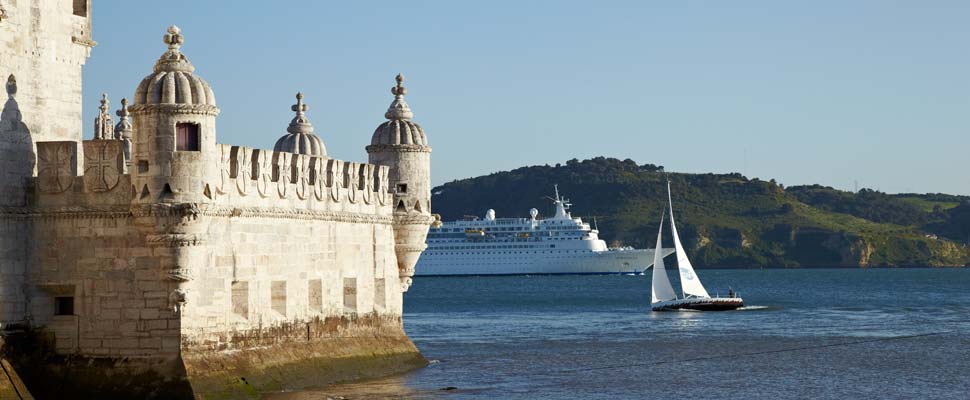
(707, 268)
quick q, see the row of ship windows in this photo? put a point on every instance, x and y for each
(451, 253)
(512, 229)
(463, 240)
(514, 246)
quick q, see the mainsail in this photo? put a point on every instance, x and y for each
(662, 291)
(689, 282)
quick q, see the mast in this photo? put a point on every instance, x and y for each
(561, 206)
(690, 284)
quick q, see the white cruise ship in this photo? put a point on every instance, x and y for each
(516, 246)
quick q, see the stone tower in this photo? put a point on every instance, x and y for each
(401, 145)
(43, 45)
(174, 113)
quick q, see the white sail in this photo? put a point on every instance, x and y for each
(689, 282)
(662, 291)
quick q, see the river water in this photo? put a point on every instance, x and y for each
(807, 333)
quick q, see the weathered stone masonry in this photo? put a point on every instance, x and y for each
(153, 261)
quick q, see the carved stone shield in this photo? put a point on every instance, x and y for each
(318, 178)
(225, 169)
(241, 170)
(104, 163)
(335, 178)
(353, 181)
(301, 168)
(56, 166)
(263, 172)
(382, 183)
(368, 189)
(281, 173)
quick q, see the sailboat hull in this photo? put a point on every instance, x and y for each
(700, 304)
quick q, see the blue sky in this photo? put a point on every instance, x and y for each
(829, 92)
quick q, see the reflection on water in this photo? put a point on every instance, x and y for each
(806, 334)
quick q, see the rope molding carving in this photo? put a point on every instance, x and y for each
(149, 109)
(402, 148)
(233, 212)
(66, 212)
(289, 213)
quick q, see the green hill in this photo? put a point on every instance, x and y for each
(730, 220)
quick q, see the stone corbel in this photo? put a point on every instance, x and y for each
(163, 218)
(177, 300)
(86, 42)
(406, 282)
(3, 13)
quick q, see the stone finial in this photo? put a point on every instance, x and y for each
(174, 38)
(399, 108)
(104, 103)
(300, 123)
(173, 60)
(399, 90)
(3, 13)
(103, 124)
(11, 86)
(123, 129)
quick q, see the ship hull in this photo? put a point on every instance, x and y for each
(537, 263)
(700, 304)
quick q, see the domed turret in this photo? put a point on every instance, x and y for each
(399, 129)
(402, 146)
(300, 139)
(173, 81)
(174, 131)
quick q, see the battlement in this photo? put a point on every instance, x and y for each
(247, 177)
(256, 177)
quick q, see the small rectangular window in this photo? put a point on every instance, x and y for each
(142, 166)
(187, 137)
(402, 187)
(64, 305)
(81, 8)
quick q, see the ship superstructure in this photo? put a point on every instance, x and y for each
(561, 244)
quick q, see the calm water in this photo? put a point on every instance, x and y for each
(821, 333)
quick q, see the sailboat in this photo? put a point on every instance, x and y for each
(694, 296)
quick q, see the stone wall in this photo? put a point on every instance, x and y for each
(120, 301)
(266, 272)
(43, 45)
